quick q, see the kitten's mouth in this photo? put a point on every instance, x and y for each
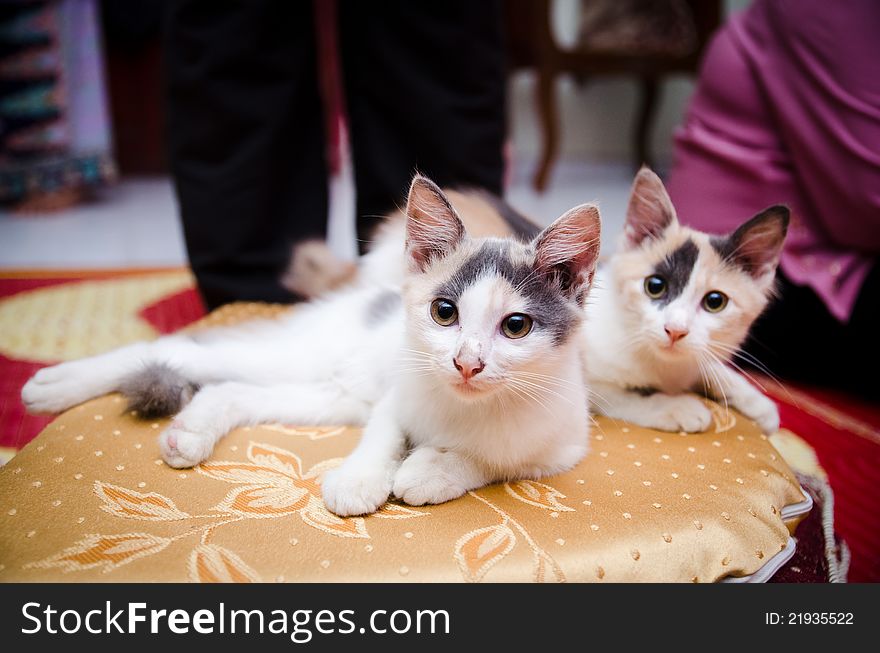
(468, 388)
(671, 348)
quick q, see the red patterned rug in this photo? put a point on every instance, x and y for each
(845, 434)
(47, 317)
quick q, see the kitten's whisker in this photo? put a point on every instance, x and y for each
(750, 359)
(751, 378)
(416, 354)
(424, 361)
(519, 393)
(716, 377)
(748, 376)
(542, 388)
(515, 383)
(413, 370)
(548, 376)
(703, 379)
(592, 393)
(553, 380)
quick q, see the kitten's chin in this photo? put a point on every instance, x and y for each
(467, 390)
(675, 351)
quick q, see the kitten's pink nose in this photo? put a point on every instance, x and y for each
(468, 369)
(675, 334)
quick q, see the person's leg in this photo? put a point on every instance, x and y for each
(246, 141)
(425, 90)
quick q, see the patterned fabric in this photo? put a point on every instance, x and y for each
(638, 27)
(820, 556)
(90, 500)
(54, 123)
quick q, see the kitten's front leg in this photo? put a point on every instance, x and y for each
(746, 398)
(683, 412)
(432, 475)
(363, 482)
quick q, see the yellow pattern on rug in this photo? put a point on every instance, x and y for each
(72, 320)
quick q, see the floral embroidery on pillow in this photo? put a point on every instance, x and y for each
(271, 484)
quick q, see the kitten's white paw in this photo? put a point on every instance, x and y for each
(676, 413)
(425, 477)
(181, 448)
(355, 490)
(430, 489)
(763, 410)
(57, 388)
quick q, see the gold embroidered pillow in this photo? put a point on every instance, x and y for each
(90, 499)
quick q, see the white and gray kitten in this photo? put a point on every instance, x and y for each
(468, 372)
(670, 311)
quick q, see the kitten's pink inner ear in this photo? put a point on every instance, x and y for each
(757, 244)
(568, 249)
(433, 228)
(650, 209)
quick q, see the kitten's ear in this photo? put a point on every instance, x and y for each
(756, 245)
(566, 252)
(650, 210)
(433, 228)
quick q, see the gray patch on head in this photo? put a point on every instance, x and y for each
(157, 390)
(642, 391)
(723, 245)
(546, 304)
(493, 257)
(677, 268)
(381, 307)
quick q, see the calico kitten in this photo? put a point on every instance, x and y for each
(670, 311)
(467, 373)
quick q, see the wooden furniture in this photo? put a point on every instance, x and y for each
(531, 44)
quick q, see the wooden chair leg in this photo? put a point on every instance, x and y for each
(549, 117)
(648, 94)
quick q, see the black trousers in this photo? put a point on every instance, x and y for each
(425, 90)
(797, 338)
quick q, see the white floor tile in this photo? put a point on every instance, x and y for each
(132, 224)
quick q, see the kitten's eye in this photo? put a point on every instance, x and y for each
(444, 312)
(714, 301)
(516, 325)
(655, 286)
